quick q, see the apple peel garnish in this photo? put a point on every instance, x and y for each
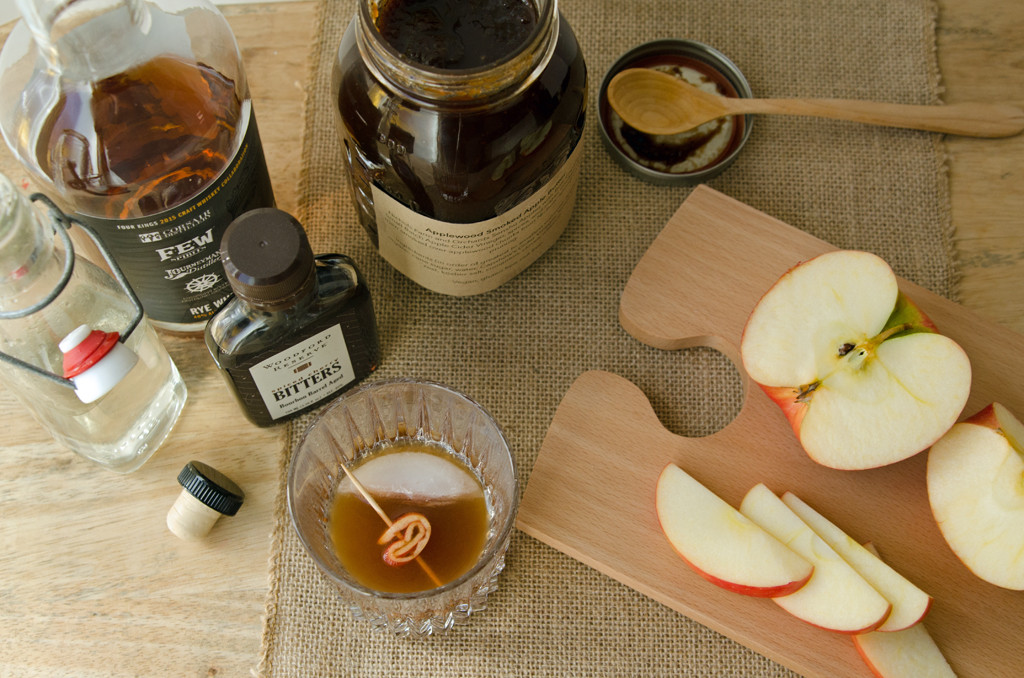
(391, 525)
(408, 535)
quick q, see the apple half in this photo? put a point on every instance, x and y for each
(836, 598)
(909, 603)
(722, 545)
(861, 374)
(976, 491)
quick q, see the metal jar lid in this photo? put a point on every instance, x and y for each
(651, 53)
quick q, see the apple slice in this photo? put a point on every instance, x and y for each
(976, 491)
(909, 653)
(860, 372)
(721, 544)
(836, 597)
(909, 603)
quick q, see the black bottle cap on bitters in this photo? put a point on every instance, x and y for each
(211, 487)
(267, 258)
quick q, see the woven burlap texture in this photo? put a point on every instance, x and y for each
(518, 349)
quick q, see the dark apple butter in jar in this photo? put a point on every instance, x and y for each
(461, 122)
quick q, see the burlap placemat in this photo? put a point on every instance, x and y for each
(518, 349)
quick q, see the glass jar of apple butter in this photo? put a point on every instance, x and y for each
(461, 122)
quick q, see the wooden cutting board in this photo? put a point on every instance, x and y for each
(591, 492)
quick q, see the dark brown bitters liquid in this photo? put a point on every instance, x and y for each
(464, 161)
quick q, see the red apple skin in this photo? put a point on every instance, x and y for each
(754, 591)
(985, 417)
(857, 632)
(867, 660)
(786, 398)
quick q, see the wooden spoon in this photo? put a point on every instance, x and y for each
(659, 103)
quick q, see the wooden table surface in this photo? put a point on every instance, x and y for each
(93, 584)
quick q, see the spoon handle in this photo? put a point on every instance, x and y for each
(965, 119)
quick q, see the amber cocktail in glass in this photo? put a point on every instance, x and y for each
(404, 493)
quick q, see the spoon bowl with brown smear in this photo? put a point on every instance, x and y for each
(658, 103)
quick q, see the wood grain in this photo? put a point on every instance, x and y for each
(92, 584)
(91, 581)
(591, 490)
(655, 102)
(981, 56)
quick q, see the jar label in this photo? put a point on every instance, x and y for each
(172, 258)
(466, 259)
(304, 373)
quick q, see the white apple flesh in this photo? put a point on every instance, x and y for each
(976, 492)
(860, 372)
(909, 603)
(909, 653)
(722, 545)
(836, 598)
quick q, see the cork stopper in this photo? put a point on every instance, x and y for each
(206, 495)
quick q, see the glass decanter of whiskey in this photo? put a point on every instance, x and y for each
(135, 115)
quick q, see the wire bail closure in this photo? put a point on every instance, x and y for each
(65, 222)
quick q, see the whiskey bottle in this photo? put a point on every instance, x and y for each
(136, 116)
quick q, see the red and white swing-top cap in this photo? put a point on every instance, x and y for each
(95, 361)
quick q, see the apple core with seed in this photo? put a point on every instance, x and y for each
(860, 372)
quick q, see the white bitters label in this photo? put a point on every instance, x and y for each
(304, 373)
(466, 259)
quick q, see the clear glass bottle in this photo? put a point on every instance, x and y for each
(136, 116)
(300, 330)
(125, 421)
(461, 125)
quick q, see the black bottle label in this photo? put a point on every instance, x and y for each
(172, 258)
